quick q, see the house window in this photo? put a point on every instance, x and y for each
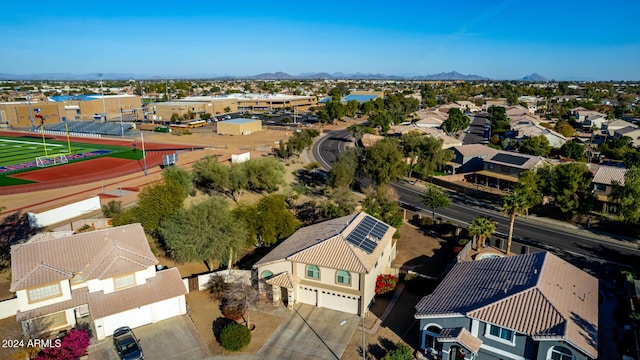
(501, 334)
(560, 353)
(44, 292)
(313, 272)
(343, 277)
(430, 338)
(266, 274)
(490, 166)
(126, 281)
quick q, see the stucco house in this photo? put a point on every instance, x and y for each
(533, 306)
(504, 168)
(631, 132)
(333, 264)
(526, 127)
(604, 180)
(106, 278)
(468, 158)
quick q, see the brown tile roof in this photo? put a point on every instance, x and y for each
(320, 243)
(97, 255)
(538, 294)
(461, 336)
(530, 160)
(285, 280)
(78, 297)
(475, 150)
(608, 174)
(165, 285)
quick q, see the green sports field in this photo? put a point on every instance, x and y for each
(18, 154)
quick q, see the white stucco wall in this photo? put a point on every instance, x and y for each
(23, 300)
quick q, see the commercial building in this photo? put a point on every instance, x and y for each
(240, 126)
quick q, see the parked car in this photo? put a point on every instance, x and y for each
(126, 344)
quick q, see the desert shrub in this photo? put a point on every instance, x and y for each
(385, 283)
(426, 221)
(235, 337)
(216, 287)
(463, 242)
(401, 352)
(233, 310)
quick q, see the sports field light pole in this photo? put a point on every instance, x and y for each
(33, 125)
(121, 127)
(144, 155)
(104, 107)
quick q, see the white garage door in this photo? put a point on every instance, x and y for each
(132, 318)
(338, 301)
(307, 295)
(166, 309)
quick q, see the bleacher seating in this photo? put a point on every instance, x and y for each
(93, 127)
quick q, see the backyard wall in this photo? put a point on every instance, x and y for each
(64, 213)
(8, 308)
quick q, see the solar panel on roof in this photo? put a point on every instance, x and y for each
(510, 159)
(367, 234)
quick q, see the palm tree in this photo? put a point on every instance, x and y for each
(481, 228)
(513, 204)
(435, 198)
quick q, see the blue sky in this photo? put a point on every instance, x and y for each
(559, 39)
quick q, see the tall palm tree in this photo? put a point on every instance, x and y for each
(513, 204)
(481, 228)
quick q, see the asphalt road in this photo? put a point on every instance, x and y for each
(555, 236)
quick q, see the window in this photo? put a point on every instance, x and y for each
(560, 353)
(430, 338)
(122, 282)
(343, 277)
(44, 292)
(490, 166)
(501, 334)
(313, 272)
(266, 274)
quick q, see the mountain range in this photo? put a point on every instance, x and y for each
(452, 75)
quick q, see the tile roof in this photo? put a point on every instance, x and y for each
(475, 150)
(78, 297)
(97, 255)
(318, 245)
(285, 280)
(608, 174)
(461, 336)
(517, 160)
(165, 285)
(524, 293)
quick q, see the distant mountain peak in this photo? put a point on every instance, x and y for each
(534, 77)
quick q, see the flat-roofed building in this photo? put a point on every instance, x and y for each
(240, 126)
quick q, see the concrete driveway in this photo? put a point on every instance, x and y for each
(174, 338)
(311, 333)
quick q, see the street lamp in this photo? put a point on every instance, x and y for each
(363, 348)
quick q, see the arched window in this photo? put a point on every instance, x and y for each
(560, 353)
(313, 272)
(430, 338)
(266, 274)
(343, 277)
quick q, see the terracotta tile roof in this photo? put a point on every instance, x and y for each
(285, 280)
(97, 254)
(461, 336)
(165, 285)
(78, 297)
(475, 150)
(320, 243)
(524, 293)
(608, 174)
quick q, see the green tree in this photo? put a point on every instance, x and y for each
(268, 221)
(179, 176)
(455, 122)
(352, 108)
(565, 129)
(383, 162)
(343, 171)
(235, 336)
(570, 186)
(513, 205)
(382, 203)
(111, 210)
(227, 109)
(572, 150)
(535, 145)
(632, 158)
(264, 175)
(401, 352)
(156, 203)
(207, 231)
(210, 175)
(628, 195)
(381, 119)
(481, 228)
(435, 198)
(528, 187)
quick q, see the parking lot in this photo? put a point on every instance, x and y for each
(174, 338)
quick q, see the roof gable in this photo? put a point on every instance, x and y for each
(324, 254)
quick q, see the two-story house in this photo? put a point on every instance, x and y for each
(108, 277)
(468, 158)
(503, 169)
(533, 306)
(604, 180)
(333, 264)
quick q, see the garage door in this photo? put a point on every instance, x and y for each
(338, 301)
(132, 318)
(166, 309)
(308, 296)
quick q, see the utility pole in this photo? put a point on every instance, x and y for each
(104, 107)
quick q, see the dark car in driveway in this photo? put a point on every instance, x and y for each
(126, 344)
